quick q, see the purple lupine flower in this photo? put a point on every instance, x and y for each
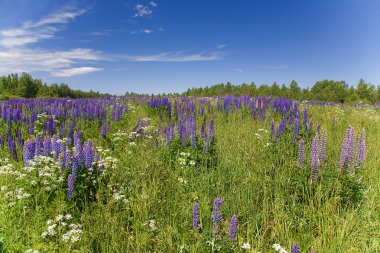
(301, 154)
(47, 146)
(311, 125)
(39, 145)
(304, 121)
(12, 147)
(70, 188)
(56, 147)
(346, 155)
(216, 216)
(88, 154)
(75, 166)
(296, 128)
(211, 130)
(2, 141)
(68, 159)
(312, 251)
(78, 150)
(322, 149)
(104, 128)
(28, 152)
(77, 137)
(314, 159)
(296, 248)
(20, 140)
(70, 127)
(361, 149)
(233, 226)
(196, 219)
(203, 129)
(272, 128)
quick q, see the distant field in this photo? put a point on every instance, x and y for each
(188, 174)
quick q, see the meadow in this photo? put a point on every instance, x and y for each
(188, 174)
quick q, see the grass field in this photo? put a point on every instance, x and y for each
(137, 191)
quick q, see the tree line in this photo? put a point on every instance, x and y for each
(326, 90)
(16, 86)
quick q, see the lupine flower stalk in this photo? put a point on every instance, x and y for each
(70, 188)
(314, 159)
(322, 148)
(196, 219)
(301, 154)
(233, 226)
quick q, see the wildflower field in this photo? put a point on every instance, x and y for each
(188, 174)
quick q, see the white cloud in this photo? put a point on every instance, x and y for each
(75, 71)
(28, 60)
(238, 70)
(220, 46)
(146, 31)
(32, 32)
(174, 57)
(154, 4)
(142, 10)
(16, 55)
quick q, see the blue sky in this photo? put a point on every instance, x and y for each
(169, 46)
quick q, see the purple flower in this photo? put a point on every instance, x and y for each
(361, 149)
(322, 149)
(272, 128)
(233, 226)
(196, 219)
(301, 154)
(304, 122)
(216, 216)
(28, 152)
(70, 182)
(296, 248)
(314, 159)
(47, 146)
(346, 155)
(75, 166)
(39, 146)
(88, 153)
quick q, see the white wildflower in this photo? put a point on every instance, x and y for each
(246, 245)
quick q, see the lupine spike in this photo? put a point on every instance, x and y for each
(196, 219)
(233, 227)
(314, 159)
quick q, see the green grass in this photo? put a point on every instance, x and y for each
(259, 182)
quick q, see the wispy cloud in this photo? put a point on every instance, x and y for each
(35, 31)
(75, 71)
(154, 4)
(16, 54)
(142, 10)
(145, 31)
(238, 70)
(220, 46)
(56, 63)
(175, 57)
(274, 67)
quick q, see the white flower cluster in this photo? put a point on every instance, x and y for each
(185, 160)
(32, 251)
(277, 247)
(12, 196)
(61, 224)
(44, 172)
(119, 136)
(152, 224)
(9, 169)
(246, 246)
